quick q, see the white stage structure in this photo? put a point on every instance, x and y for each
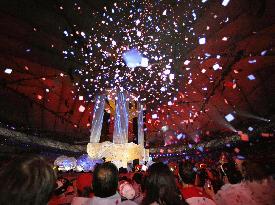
(120, 151)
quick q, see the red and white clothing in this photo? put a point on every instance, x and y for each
(112, 200)
(195, 196)
(81, 201)
(247, 193)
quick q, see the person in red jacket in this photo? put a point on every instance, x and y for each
(192, 194)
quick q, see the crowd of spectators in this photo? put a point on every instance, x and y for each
(31, 180)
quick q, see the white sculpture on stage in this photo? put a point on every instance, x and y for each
(120, 152)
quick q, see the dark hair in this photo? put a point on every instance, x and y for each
(63, 188)
(122, 170)
(137, 178)
(85, 192)
(105, 180)
(27, 180)
(253, 171)
(124, 178)
(160, 186)
(187, 173)
(234, 176)
(202, 176)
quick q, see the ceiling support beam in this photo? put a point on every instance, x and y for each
(10, 135)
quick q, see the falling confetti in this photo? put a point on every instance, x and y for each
(142, 54)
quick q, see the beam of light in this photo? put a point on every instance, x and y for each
(248, 115)
(230, 127)
(222, 122)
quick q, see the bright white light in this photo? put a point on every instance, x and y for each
(171, 77)
(250, 129)
(164, 128)
(224, 38)
(154, 116)
(81, 108)
(229, 117)
(170, 103)
(203, 1)
(66, 33)
(252, 61)
(8, 70)
(225, 2)
(144, 62)
(251, 77)
(207, 55)
(80, 98)
(186, 62)
(167, 72)
(216, 66)
(263, 52)
(162, 89)
(203, 70)
(133, 58)
(180, 136)
(137, 22)
(164, 12)
(194, 15)
(144, 168)
(113, 43)
(202, 41)
(138, 33)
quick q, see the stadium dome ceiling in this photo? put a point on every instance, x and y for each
(209, 64)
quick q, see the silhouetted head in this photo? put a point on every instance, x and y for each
(105, 180)
(27, 180)
(160, 186)
(187, 172)
(253, 171)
